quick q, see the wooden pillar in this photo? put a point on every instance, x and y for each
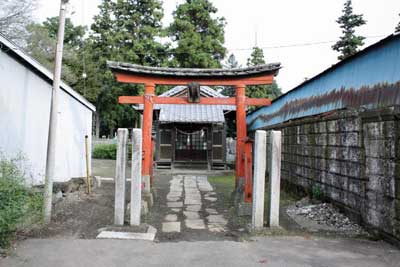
(146, 132)
(241, 130)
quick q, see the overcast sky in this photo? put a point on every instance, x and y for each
(276, 23)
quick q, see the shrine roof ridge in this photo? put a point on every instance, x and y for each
(271, 68)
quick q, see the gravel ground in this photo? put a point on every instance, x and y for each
(323, 217)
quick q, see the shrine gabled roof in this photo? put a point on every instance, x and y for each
(271, 68)
(204, 90)
(192, 113)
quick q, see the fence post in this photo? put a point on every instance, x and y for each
(136, 177)
(274, 177)
(120, 178)
(260, 148)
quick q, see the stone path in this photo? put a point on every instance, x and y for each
(192, 196)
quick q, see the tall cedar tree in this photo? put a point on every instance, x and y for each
(231, 63)
(271, 91)
(125, 30)
(397, 30)
(198, 35)
(349, 41)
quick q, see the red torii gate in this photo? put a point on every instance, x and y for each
(239, 78)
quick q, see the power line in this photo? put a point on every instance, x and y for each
(301, 44)
(251, 48)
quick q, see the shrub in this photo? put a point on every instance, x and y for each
(105, 151)
(109, 151)
(316, 192)
(19, 204)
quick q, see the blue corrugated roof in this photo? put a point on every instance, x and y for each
(370, 78)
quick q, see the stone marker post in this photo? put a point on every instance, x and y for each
(260, 153)
(120, 178)
(274, 177)
(136, 177)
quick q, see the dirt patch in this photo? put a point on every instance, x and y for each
(78, 215)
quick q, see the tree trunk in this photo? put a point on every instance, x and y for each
(97, 117)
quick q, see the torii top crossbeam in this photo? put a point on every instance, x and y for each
(151, 76)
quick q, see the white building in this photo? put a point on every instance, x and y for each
(25, 95)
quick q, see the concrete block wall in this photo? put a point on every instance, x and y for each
(352, 158)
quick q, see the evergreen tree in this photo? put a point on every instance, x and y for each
(41, 45)
(232, 63)
(199, 37)
(124, 30)
(349, 41)
(73, 35)
(256, 57)
(271, 91)
(397, 30)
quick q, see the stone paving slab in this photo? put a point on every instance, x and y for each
(195, 190)
(191, 215)
(173, 199)
(216, 219)
(211, 211)
(168, 227)
(193, 207)
(171, 218)
(174, 204)
(126, 235)
(192, 201)
(216, 228)
(211, 199)
(197, 224)
(176, 210)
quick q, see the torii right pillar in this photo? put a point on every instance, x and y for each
(241, 131)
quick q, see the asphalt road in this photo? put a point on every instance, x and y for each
(263, 251)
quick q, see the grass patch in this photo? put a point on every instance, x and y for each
(224, 186)
(227, 181)
(20, 205)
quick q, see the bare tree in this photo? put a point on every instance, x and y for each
(15, 16)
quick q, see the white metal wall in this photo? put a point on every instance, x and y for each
(24, 122)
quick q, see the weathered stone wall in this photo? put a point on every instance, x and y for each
(352, 158)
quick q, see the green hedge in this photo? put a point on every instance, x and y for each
(20, 205)
(108, 151)
(105, 151)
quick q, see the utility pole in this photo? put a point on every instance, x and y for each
(52, 136)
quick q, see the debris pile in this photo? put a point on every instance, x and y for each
(325, 214)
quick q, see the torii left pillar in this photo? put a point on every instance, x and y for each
(149, 90)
